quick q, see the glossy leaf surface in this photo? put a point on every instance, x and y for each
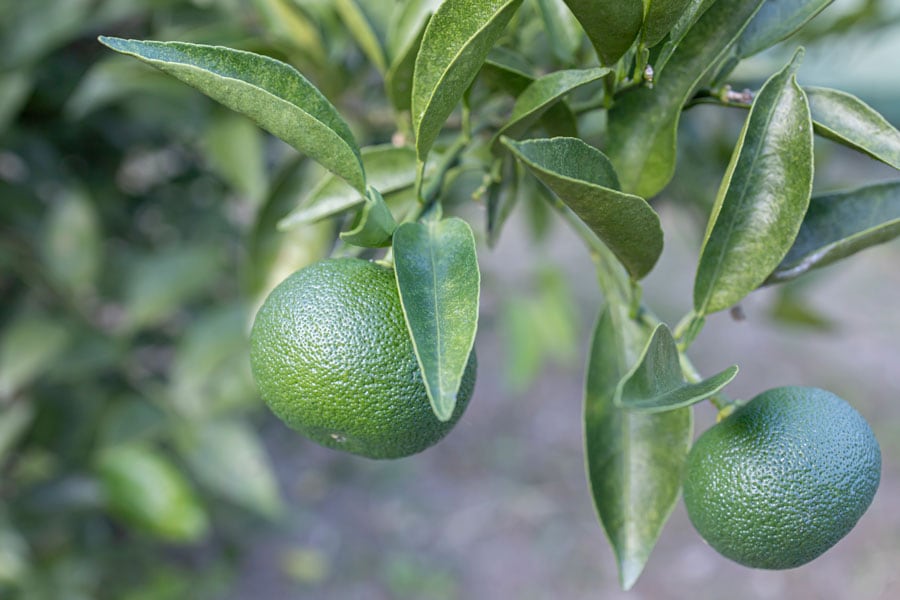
(839, 225)
(275, 95)
(635, 460)
(643, 123)
(439, 283)
(583, 178)
(457, 40)
(762, 199)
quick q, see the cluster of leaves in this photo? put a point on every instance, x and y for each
(575, 102)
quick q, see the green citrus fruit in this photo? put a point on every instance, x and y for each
(333, 359)
(783, 478)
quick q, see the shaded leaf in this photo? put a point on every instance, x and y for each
(839, 225)
(777, 20)
(14, 421)
(144, 489)
(388, 169)
(635, 460)
(457, 40)
(643, 122)
(404, 39)
(235, 148)
(228, 458)
(848, 120)
(374, 224)
(542, 94)
(439, 282)
(692, 12)
(611, 25)
(364, 31)
(562, 27)
(507, 70)
(28, 346)
(502, 196)
(585, 181)
(660, 16)
(285, 21)
(656, 383)
(275, 95)
(763, 197)
(73, 245)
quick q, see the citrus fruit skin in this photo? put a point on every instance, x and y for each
(333, 359)
(783, 478)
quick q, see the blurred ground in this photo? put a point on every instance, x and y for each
(501, 508)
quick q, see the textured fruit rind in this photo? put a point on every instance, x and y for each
(783, 478)
(332, 357)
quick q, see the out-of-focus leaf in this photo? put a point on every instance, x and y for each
(457, 40)
(131, 420)
(37, 27)
(389, 169)
(585, 181)
(14, 555)
(635, 460)
(289, 24)
(643, 123)
(364, 31)
(656, 383)
(439, 283)
(660, 16)
(14, 89)
(543, 93)
(404, 39)
(146, 491)
(161, 283)
(777, 20)
(563, 30)
(501, 198)
(72, 245)
(275, 95)
(235, 148)
(506, 70)
(28, 346)
(848, 120)
(839, 225)
(228, 458)
(763, 197)
(210, 372)
(611, 25)
(14, 420)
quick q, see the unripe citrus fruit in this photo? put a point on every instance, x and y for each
(333, 359)
(783, 478)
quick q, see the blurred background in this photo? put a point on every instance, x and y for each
(137, 236)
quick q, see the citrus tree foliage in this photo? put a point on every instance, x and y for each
(576, 104)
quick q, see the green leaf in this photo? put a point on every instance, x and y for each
(643, 123)
(660, 16)
(275, 95)
(364, 32)
(438, 279)
(611, 25)
(541, 95)
(776, 21)
(456, 43)
(14, 421)
(144, 489)
(404, 40)
(846, 119)
(73, 244)
(28, 346)
(635, 460)
(656, 383)
(563, 30)
(506, 70)
(286, 22)
(236, 149)
(389, 169)
(692, 12)
(15, 87)
(502, 196)
(228, 458)
(374, 224)
(763, 197)
(584, 179)
(839, 225)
